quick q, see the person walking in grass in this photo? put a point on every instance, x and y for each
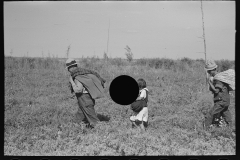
(139, 107)
(87, 86)
(220, 90)
(211, 68)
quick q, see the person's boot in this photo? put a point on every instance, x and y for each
(89, 126)
(206, 126)
(133, 126)
(229, 126)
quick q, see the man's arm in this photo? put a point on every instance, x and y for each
(214, 89)
(219, 84)
(76, 85)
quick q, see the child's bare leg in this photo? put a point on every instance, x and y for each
(142, 127)
(134, 124)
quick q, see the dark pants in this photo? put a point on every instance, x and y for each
(86, 111)
(218, 110)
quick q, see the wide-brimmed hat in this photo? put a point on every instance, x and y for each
(70, 62)
(210, 65)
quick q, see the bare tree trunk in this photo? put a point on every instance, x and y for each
(108, 36)
(203, 33)
(204, 40)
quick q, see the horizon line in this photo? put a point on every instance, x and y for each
(8, 56)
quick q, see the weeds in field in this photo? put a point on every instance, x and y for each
(40, 113)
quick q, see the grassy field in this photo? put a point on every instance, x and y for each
(40, 113)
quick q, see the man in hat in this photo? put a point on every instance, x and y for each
(221, 96)
(211, 68)
(87, 86)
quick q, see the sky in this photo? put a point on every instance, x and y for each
(152, 29)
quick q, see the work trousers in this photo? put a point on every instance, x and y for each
(216, 111)
(86, 111)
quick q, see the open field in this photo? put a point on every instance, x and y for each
(39, 110)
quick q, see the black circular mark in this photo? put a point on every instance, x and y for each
(124, 90)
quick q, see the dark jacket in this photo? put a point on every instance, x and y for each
(91, 80)
(92, 84)
(138, 105)
(222, 97)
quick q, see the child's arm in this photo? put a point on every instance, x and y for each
(139, 98)
(142, 95)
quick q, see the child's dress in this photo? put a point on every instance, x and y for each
(142, 115)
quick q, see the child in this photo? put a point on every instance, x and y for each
(139, 107)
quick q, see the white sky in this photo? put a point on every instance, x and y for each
(151, 29)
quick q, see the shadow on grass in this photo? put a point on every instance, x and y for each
(103, 117)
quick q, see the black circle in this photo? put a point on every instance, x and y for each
(124, 90)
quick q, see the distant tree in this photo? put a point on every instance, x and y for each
(129, 53)
(68, 51)
(11, 52)
(105, 57)
(49, 55)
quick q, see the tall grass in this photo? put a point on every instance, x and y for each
(95, 63)
(40, 113)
